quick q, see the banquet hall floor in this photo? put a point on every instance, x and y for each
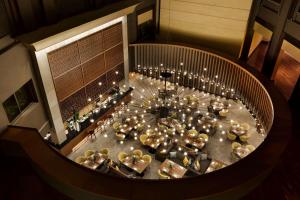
(218, 148)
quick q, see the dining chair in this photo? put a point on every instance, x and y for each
(197, 165)
(80, 159)
(245, 126)
(204, 136)
(245, 137)
(250, 147)
(143, 138)
(104, 151)
(140, 127)
(235, 145)
(88, 153)
(231, 136)
(147, 158)
(116, 126)
(224, 112)
(163, 175)
(120, 136)
(137, 152)
(122, 156)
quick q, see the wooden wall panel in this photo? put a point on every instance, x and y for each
(63, 59)
(93, 68)
(94, 88)
(120, 72)
(90, 46)
(68, 83)
(78, 68)
(112, 36)
(114, 56)
(215, 24)
(111, 77)
(73, 103)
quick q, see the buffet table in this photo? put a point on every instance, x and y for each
(87, 126)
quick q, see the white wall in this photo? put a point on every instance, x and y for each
(256, 40)
(291, 50)
(217, 24)
(15, 70)
(263, 31)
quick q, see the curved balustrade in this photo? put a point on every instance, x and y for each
(79, 182)
(207, 72)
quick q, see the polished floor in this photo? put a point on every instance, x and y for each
(288, 69)
(256, 59)
(218, 147)
(287, 74)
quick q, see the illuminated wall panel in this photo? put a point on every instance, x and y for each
(216, 24)
(79, 67)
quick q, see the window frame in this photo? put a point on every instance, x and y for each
(33, 99)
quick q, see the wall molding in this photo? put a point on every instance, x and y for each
(42, 48)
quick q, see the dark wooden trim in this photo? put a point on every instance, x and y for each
(294, 100)
(75, 21)
(49, 11)
(249, 30)
(264, 23)
(292, 40)
(141, 11)
(158, 24)
(276, 40)
(11, 45)
(280, 28)
(293, 29)
(294, 11)
(268, 15)
(13, 14)
(272, 5)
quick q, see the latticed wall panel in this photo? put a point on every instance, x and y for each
(78, 68)
(63, 59)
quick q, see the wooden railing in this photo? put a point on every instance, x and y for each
(207, 72)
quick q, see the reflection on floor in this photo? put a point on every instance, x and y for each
(288, 69)
(218, 148)
(256, 59)
(287, 74)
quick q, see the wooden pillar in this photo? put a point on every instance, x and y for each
(50, 9)
(295, 98)
(249, 30)
(276, 40)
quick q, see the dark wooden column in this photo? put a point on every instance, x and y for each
(24, 16)
(13, 14)
(276, 40)
(249, 30)
(295, 98)
(50, 11)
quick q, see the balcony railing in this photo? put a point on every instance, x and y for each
(207, 72)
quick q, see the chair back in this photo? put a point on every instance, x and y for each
(104, 151)
(137, 152)
(80, 159)
(89, 153)
(147, 158)
(162, 175)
